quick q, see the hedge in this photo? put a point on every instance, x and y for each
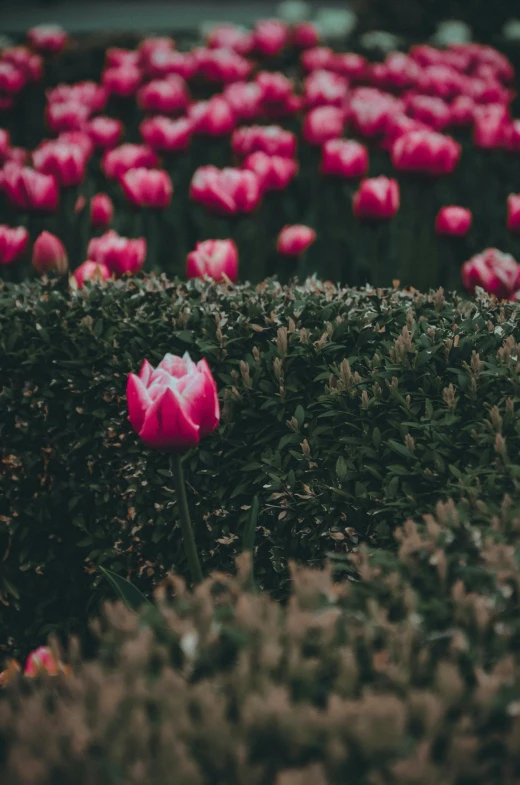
(409, 675)
(346, 411)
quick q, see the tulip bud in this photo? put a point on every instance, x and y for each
(513, 213)
(91, 271)
(294, 240)
(376, 199)
(305, 35)
(270, 139)
(453, 220)
(212, 118)
(270, 36)
(13, 242)
(105, 132)
(49, 255)
(127, 156)
(101, 210)
(165, 96)
(214, 259)
(166, 135)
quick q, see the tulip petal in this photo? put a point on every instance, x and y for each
(168, 426)
(138, 401)
(172, 364)
(145, 372)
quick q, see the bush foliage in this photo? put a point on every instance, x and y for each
(347, 411)
(408, 675)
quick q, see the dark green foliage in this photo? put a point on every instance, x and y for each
(408, 675)
(345, 411)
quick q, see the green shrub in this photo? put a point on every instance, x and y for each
(346, 411)
(409, 675)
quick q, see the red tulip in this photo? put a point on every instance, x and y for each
(222, 66)
(490, 128)
(166, 96)
(453, 220)
(115, 57)
(370, 110)
(49, 255)
(275, 86)
(101, 210)
(12, 78)
(426, 152)
(212, 118)
(127, 156)
(270, 36)
(322, 124)
(166, 135)
(66, 162)
(162, 62)
(462, 110)
(229, 36)
(317, 58)
(425, 55)
(147, 187)
(305, 35)
(173, 406)
(122, 81)
(344, 157)
(47, 39)
(226, 191)
(274, 172)
(495, 272)
(430, 110)
(13, 242)
(325, 88)
(245, 99)
(71, 116)
(213, 259)
(105, 132)
(27, 189)
(31, 64)
(87, 92)
(294, 240)
(91, 271)
(513, 212)
(270, 139)
(5, 143)
(119, 254)
(376, 199)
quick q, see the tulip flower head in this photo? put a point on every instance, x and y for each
(147, 187)
(101, 210)
(294, 240)
(47, 39)
(120, 254)
(226, 191)
(495, 272)
(213, 259)
(344, 158)
(41, 660)
(27, 189)
(274, 172)
(453, 220)
(90, 271)
(513, 213)
(49, 255)
(377, 199)
(425, 152)
(166, 135)
(13, 242)
(172, 406)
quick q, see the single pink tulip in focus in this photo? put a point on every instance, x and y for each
(120, 254)
(494, 271)
(49, 255)
(294, 240)
(147, 187)
(214, 259)
(101, 210)
(453, 220)
(172, 406)
(91, 271)
(13, 242)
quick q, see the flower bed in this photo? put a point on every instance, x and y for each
(252, 132)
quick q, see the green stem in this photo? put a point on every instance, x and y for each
(188, 538)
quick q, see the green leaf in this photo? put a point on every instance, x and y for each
(341, 468)
(300, 414)
(126, 591)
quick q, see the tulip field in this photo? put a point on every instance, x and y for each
(259, 433)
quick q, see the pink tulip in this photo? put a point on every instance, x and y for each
(221, 66)
(70, 116)
(270, 139)
(325, 88)
(274, 85)
(453, 220)
(147, 187)
(214, 259)
(120, 254)
(12, 78)
(274, 172)
(127, 156)
(166, 135)
(294, 240)
(305, 35)
(226, 191)
(67, 162)
(323, 123)
(27, 189)
(101, 210)
(513, 213)
(162, 62)
(13, 242)
(345, 158)
(377, 199)
(245, 100)
(47, 38)
(41, 659)
(105, 132)
(229, 36)
(212, 118)
(495, 272)
(172, 406)
(91, 271)
(164, 96)
(426, 152)
(49, 255)
(122, 81)
(87, 93)
(270, 36)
